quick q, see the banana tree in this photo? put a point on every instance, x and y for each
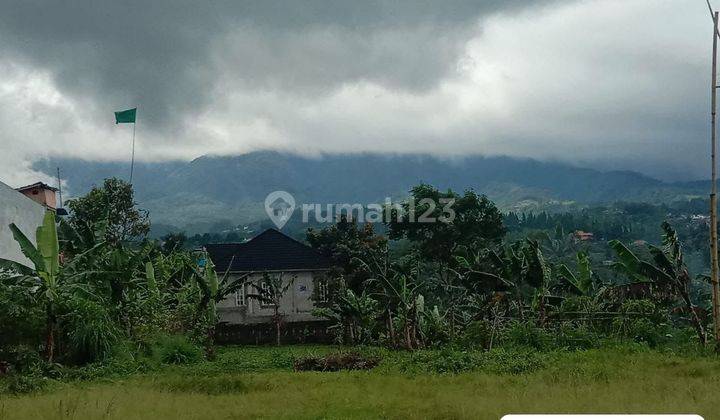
(353, 314)
(538, 275)
(667, 270)
(581, 284)
(509, 269)
(398, 287)
(522, 266)
(212, 291)
(485, 277)
(46, 271)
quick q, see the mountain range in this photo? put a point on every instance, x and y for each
(212, 192)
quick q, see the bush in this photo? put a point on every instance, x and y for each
(505, 361)
(578, 306)
(445, 360)
(452, 360)
(477, 335)
(122, 360)
(25, 384)
(21, 359)
(642, 321)
(335, 362)
(176, 350)
(214, 385)
(91, 332)
(575, 337)
(525, 334)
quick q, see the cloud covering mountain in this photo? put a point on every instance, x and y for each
(610, 83)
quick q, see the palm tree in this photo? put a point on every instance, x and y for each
(667, 270)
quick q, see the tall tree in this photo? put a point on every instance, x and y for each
(113, 206)
(437, 222)
(345, 242)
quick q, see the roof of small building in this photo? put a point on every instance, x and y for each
(268, 251)
(36, 185)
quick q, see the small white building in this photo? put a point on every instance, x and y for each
(26, 208)
(271, 253)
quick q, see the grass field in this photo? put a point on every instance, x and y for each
(259, 383)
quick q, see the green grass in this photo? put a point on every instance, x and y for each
(251, 382)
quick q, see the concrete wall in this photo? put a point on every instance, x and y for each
(296, 304)
(42, 196)
(25, 213)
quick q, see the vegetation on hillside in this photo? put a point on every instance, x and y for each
(481, 292)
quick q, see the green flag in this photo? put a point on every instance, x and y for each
(127, 116)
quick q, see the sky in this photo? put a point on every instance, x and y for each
(611, 84)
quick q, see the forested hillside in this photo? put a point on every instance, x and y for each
(210, 193)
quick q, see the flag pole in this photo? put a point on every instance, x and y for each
(132, 160)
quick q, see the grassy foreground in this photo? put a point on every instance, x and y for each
(258, 383)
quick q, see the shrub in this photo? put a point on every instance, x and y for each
(20, 359)
(642, 321)
(445, 360)
(335, 362)
(25, 384)
(578, 306)
(477, 335)
(214, 385)
(91, 332)
(176, 349)
(512, 361)
(525, 334)
(575, 337)
(434, 328)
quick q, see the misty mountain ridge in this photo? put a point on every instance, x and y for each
(211, 192)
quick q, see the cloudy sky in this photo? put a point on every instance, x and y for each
(616, 84)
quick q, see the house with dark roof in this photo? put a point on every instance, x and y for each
(301, 268)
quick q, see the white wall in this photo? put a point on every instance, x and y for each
(296, 304)
(25, 213)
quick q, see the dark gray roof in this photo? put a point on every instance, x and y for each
(269, 251)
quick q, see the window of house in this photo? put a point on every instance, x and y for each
(240, 296)
(323, 291)
(266, 293)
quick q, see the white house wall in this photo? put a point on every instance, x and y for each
(296, 304)
(25, 213)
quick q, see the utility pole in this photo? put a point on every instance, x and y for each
(713, 193)
(59, 187)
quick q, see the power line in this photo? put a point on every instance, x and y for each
(712, 16)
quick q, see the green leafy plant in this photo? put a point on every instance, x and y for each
(666, 271)
(270, 291)
(46, 261)
(176, 350)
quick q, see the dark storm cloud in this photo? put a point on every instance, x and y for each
(168, 55)
(614, 83)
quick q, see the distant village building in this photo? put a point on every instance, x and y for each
(274, 253)
(700, 218)
(25, 207)
(41, 193)
(584, 236)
